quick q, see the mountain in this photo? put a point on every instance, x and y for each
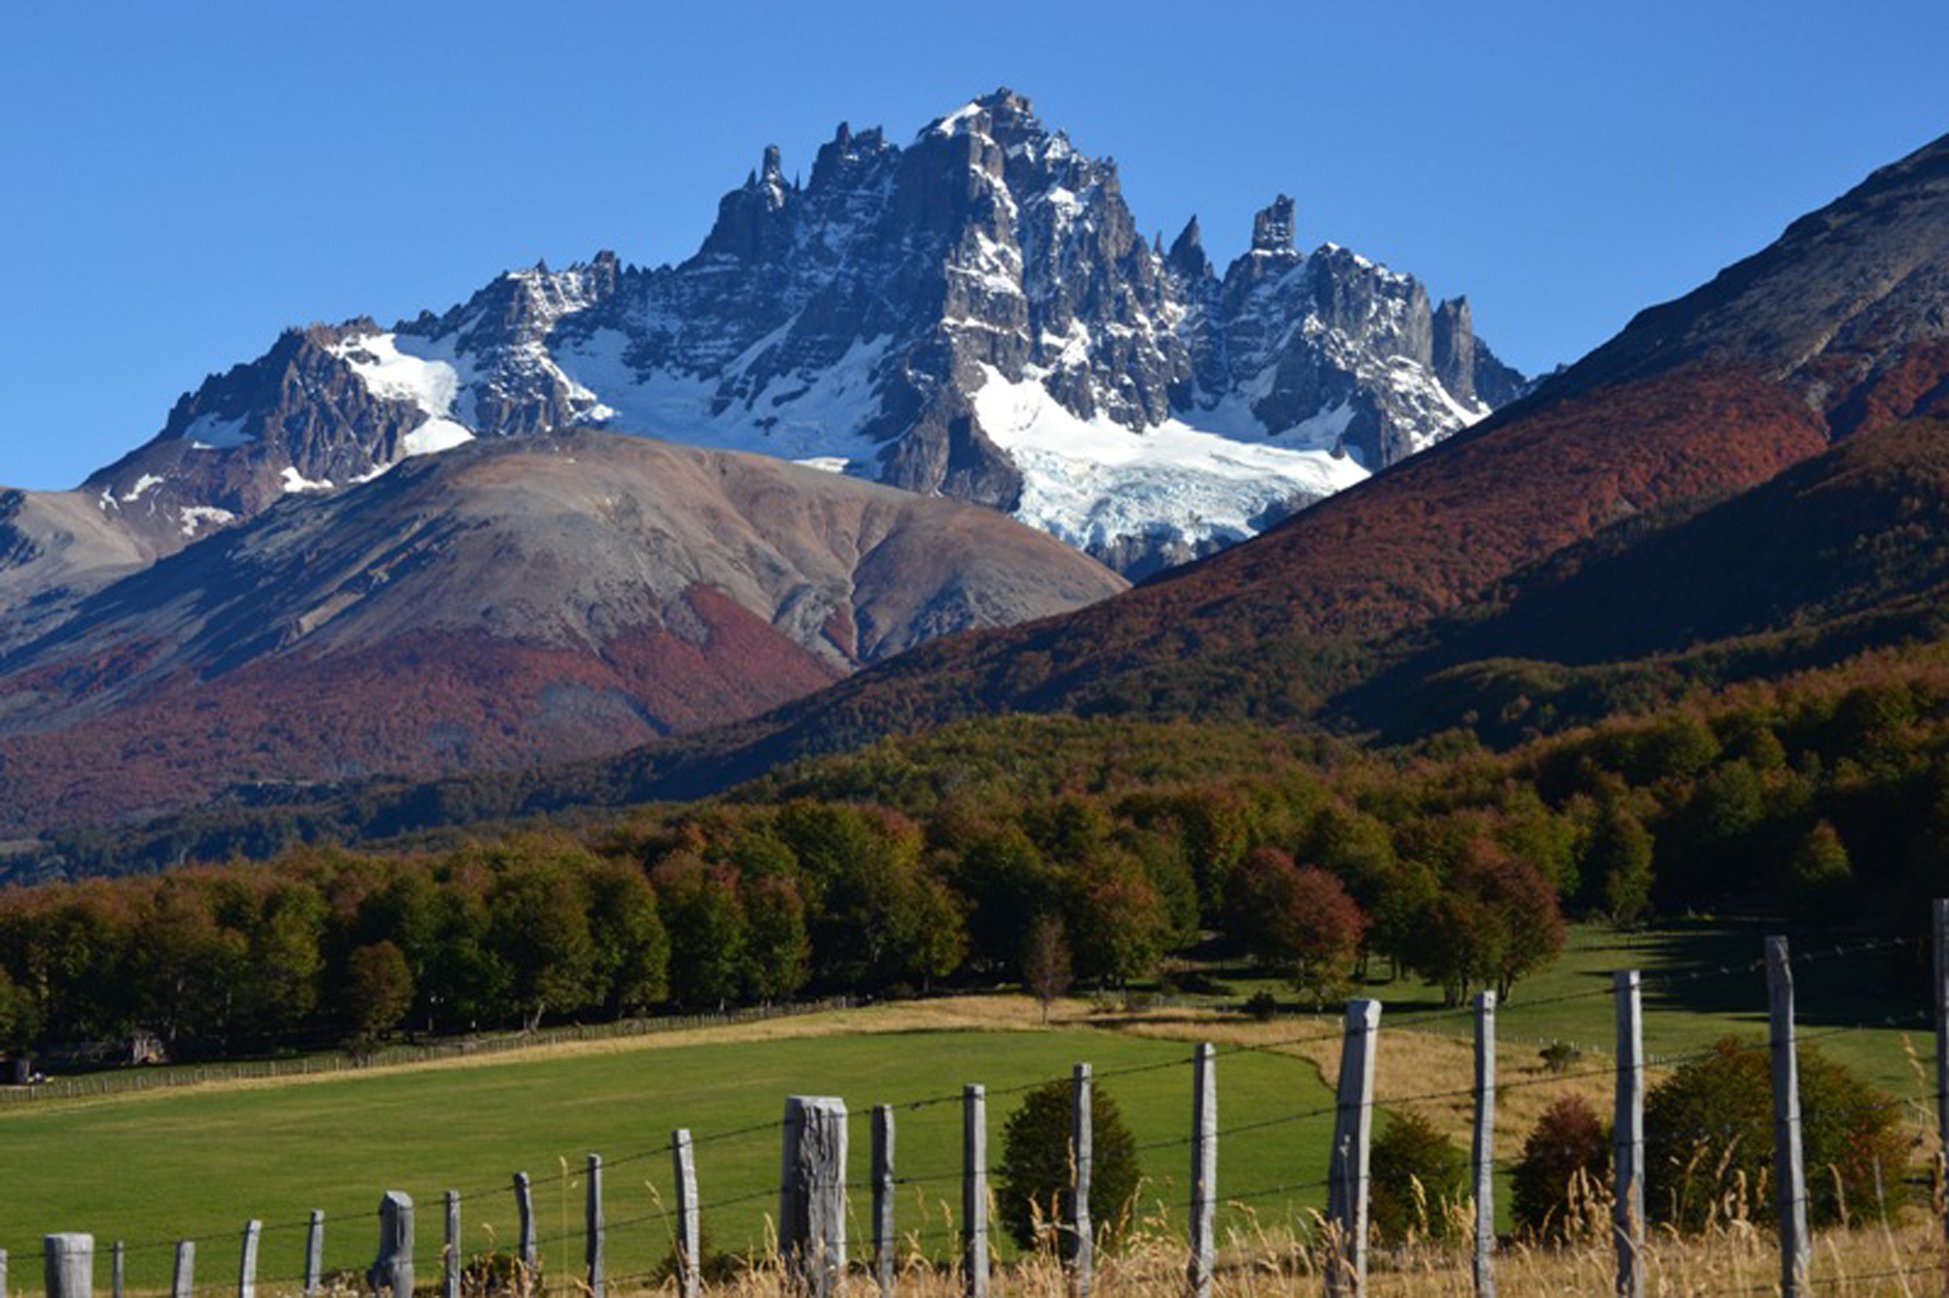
(507, 603)
(975, 314)
(1837, 331)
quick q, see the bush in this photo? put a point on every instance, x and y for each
(1035, 1166)
(1418, 1177)
(1263, 1006)
(1709, 1140)
(1568, 1142)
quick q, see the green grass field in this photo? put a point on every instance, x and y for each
(153, 1168)
(150, 1168)
(1699, 985)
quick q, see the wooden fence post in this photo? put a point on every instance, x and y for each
(1627, 1137)
(314, 1254)
(1483, 1151)
(594, 1231)
(885, 1243)
(1789, 1167)
(392, 1271)
(1204, 1168)
(247, 1263)
(1941, 991)
(450, 1255)
(118, 1269)
(683, 1159)
(974, 1190)
(1081, 1242)
(182, 1282)
(69, 1265)
(3, 1273)
(812, 1194)
(1353, 1129)
(524, 1206)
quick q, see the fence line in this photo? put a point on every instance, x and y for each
(169, 1076)
(812, 1195)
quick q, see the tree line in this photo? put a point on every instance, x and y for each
(1113, 850)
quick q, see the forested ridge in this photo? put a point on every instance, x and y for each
(944, 860)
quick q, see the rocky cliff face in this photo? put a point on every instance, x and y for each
(975, 314)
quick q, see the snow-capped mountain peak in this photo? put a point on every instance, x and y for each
(974, 315)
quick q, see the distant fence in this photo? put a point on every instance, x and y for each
(816, 1190)
(165, 1076)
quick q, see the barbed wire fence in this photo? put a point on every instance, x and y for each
(939, 1216)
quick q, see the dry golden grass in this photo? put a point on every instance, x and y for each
(1272, 1263)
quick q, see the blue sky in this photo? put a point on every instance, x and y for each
(184, 180)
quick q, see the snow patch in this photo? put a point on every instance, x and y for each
(295, 482)
(1092, 482)
(194, 516)
(393, 375)
(826, 463)
(208, 433)
(434, 436)
(144, 483)
(800, 415)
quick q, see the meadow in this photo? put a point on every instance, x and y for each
(152, 1167)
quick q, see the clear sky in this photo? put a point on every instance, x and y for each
(183, 180)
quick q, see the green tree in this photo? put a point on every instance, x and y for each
(1709, 1131)
(1618, 861)
(540, 928)
(1820, 877)
(378, 993)
(708, 931)
(1117, 923)
(1418, 1178)
(631, 949)
(1036, 1165)
(778, 952)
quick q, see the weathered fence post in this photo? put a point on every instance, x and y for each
(524, 1206)
(182, 1282)
(118, 1269)
(69, 1265)
(392, 1271)
(812, 1193)
(1941, 990)
(1204, 1167)
(1081, 1242)
(974, 1190)
(1483, 1150)
(1789, 1168)
(450, 1254)
(1346, 1204)
(247, 1262)
(594, 1232)
(683, 1160)
(885, 1245)
(1627, 1138)
(314, 1253)
(3, 1273)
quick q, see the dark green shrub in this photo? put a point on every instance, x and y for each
(1035, 1165)
(1409, 1153)
(1569, 1141)
(1263, 1006)
(1709, 1140)
(1559, 1055)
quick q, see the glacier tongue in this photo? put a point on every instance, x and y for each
(1097, 484)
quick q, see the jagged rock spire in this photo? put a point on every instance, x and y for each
(1187, 256)
(1272, 227)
